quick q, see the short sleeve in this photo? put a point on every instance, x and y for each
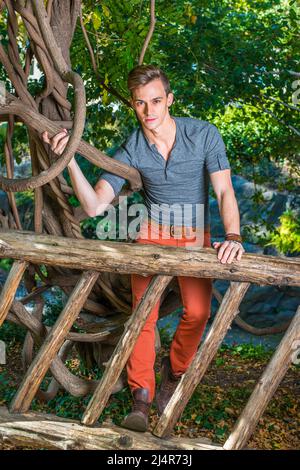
(215, 151)
(114, 180)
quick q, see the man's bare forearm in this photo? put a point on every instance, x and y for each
(94, 201)
(229, 212)
(86, 194)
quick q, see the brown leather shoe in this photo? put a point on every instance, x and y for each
(137, 419)
(168, 384)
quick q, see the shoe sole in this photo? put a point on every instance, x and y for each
(135, 423)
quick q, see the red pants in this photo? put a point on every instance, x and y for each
(196, 299)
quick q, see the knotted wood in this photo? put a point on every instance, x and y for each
(41, 123)
(124, 258)
(39, 430)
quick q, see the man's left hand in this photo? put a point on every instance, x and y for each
(228, 251)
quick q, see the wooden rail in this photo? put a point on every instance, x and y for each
(146, 259)
(41, 430)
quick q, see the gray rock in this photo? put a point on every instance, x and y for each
(259, 294)
(238, 183)
(285, 315)
(271, 251)
(289, 303)
(242, 187)
(4, 204)
(276, 208)
(251, 248)
(265, 308)
(3, 276)
(222, 286)
(23, 169)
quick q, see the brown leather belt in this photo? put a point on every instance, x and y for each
(177, 230)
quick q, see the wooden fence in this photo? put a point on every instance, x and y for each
(93, 257)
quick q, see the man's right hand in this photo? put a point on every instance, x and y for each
(58, 142)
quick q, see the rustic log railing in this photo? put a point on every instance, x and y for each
(93, 257)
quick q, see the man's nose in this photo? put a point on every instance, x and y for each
(148, 109)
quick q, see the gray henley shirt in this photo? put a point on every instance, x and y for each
(181, 180)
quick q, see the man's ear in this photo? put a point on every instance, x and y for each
(170, 99)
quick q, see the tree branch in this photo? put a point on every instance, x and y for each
(40, 123)
(292, 128)
(270, 98)
(150, 32)
(110, 89)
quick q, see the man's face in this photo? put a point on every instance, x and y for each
(151, 104)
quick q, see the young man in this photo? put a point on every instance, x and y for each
(177, 157)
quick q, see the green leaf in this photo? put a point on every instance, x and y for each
(96, 19)
(106, 11)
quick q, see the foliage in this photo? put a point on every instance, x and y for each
(6, 263)
(286, 238)
(12, 333)
(53, 307)
(248, 351)
(229, 62)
